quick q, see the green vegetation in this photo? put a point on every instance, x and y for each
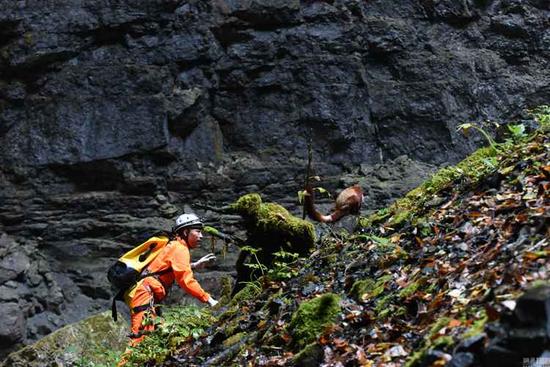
(412, 291)
(178, 324)
(542, 116)
(409, 290)
(94, 342)
(251, 290)
(468, 172)
(282, 266)
(211, 231)
(256, 264)
(361, 289)
(431, 340)
(312, 316)
(467, 126)
(271, 218)
(477, 327)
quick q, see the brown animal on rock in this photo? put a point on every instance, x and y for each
(348, 202)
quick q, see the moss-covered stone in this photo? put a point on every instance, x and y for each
(97, 340)
(382, 308)
(270, 229)
(272, 219)
(361, 288)
(248, 204)
(211, 231)
(234, 339)
(250, 291)
(312, 316)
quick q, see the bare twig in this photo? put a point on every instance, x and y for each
(308, 170)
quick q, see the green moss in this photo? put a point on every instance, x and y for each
(179, 324)
(409, 290)
(378, 290)
(271, 221)
(400, 311)
(248, 204)
(234, 339)
(232, 326)
(440, 324)
(383, 279)
(312, 316)
(382, 307)
(376, 217)
(250, 291)
(429, 342)
(28, 38)
(229, 312)
(332, 258)
(477, 327)
(400, 217)
(539, 283)
(210, 230)
(443, 341)
(472, 169)
(226, 284)
(360, 288)
(368, 288)
(97, 341)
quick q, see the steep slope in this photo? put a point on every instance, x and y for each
(116, 115)
(433, 286)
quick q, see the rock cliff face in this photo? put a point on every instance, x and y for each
(114, 115)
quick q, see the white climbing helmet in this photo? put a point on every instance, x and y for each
(187, 221)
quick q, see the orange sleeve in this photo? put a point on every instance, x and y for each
(183, 274)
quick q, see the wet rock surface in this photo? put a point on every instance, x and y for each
(114, 117)
(520, 337)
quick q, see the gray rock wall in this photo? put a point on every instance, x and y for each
(116, 115)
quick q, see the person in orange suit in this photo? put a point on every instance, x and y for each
(173, 263)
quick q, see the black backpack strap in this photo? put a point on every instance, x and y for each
(161, 272)
(120, 294)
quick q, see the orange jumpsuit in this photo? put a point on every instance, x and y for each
(153, 289)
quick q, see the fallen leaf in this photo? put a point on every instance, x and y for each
(492, 313)
(454, 323)
(340, 343)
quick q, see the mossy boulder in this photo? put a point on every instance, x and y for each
(312, 317)
(270, 220)
(249, 292)
(270, 229)
(97, 341)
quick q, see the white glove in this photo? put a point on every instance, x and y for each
(212, 302)
(203, 261)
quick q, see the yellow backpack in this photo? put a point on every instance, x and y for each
(127, 270)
